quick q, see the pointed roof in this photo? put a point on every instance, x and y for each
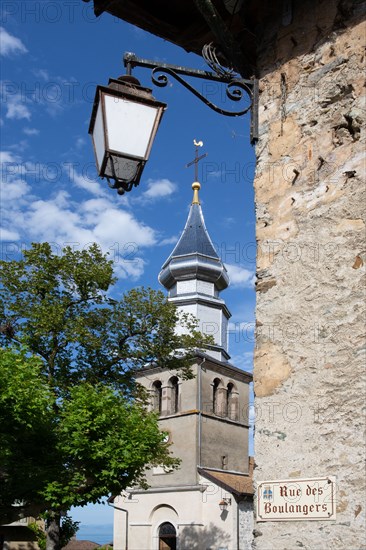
(195, 238)
(194, 256)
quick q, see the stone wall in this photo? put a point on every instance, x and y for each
(245, 511)
(310, 202)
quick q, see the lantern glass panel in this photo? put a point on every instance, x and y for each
(129, 126)
(98, 137)
(121, 168)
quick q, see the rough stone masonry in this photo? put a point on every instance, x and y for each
(310, 200)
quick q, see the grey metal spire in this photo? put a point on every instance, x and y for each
(194, 256)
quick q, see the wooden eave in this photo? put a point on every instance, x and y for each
(181, 23)
(249, 33)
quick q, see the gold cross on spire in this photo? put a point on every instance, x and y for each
(195, 185)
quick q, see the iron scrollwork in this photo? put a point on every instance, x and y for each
(234, 90)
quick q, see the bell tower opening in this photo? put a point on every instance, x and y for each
(174, 395)
(157, 394)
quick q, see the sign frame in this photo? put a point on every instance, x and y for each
(296, 499)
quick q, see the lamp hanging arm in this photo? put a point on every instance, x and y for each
(235, 86)
(234, 90)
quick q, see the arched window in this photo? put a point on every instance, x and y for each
(167, 537)
(157, 396)
(232, 402)
(219, 398)
(215, 386)
(174, 395)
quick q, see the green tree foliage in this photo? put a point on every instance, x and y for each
(26, 423)
(39, 534)
(68, 529)
(59, 307)
(74, 425)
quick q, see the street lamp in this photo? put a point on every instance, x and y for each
(124, 121)
(126, 116)
(224, 503)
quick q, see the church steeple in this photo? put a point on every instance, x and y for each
(194, 256)
(194, 275)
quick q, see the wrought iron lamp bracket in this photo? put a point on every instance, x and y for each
(235, 86)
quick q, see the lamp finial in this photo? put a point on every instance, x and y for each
(196, 187)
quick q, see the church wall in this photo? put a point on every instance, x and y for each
(218, 434)
(211, 322)
(220, 526)
(195, 514)
(310, 197)
(146, 511)
(184, 445)
(188, 392)
(217, 448)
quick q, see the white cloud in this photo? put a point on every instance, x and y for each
(126, 267)
(6, 235)
(13, 189)
(53, 221)
(31, 131)
(158, 189)
(93, 208)
(16, 108)
(116, 231)
(14, 100)
(8, 157)
(60, 220)
(20, 146)
(114, 225)
(42, 73)
(92, 186)
(12, 186)
(169, 240)
(9, 44)
(239, 276)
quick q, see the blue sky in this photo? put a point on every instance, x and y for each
(53, 54)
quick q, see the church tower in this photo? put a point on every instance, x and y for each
(207, 502)
(194, 276)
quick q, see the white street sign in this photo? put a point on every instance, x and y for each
(297, 499)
